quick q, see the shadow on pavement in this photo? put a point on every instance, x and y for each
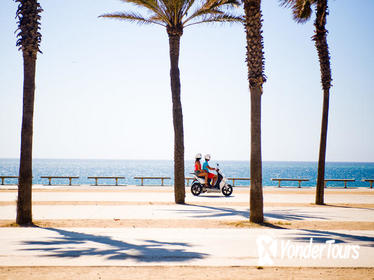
(291, 214)
(203, 211)
(347, 206)
(71, 244)
(321, 236)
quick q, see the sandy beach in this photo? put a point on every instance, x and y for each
(182, 272)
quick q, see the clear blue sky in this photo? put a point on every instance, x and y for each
(103, 88)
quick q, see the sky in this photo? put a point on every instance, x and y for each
(103, 86)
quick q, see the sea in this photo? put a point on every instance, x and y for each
(84, 168)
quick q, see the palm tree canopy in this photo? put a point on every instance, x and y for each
(179, 13)
(301, 9)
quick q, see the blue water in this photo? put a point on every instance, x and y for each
(131, 168)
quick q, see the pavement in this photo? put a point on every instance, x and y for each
(173, 245)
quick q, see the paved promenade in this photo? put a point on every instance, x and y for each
(141, 226)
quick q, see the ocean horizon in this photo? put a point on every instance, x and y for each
(84, 168)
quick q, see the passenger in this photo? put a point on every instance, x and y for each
(198, 171)
(206, 168)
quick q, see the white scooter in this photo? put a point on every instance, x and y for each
(198, 185)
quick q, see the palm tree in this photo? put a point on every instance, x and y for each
(28, 15)
(302, 11)
(256, 77)
(175, 15)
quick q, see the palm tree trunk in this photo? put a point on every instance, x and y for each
(322, 151)
(256, 199)
(255, 64)
(324, 60)
(24, 205)
(179, 180)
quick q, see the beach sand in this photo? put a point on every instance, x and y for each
(165, 223)
(184, 272)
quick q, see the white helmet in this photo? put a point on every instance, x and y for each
(207, 156)
(198, 156)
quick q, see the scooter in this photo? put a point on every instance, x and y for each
(198, 185)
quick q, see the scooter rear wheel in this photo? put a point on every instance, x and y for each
(196, 189)
(227, 190)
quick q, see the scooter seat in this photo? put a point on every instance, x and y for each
(197, 175)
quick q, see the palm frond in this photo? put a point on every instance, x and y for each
(225, 18)
(287, 3)
(187, 7)
(150, 5)
(205, 12)
(212, 4)
(133, 17)
(303, 12)
(175, 13)
(168, 7)
(301, 9)
(156, 18)
(175, 9)
(211, 7)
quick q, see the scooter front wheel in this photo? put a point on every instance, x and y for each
(227, 190)
(196, 189)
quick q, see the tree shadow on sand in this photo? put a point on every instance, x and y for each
(321, 236)
(71, 244)
(203, 211)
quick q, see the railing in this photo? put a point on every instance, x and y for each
(116, 178)
(238, 179)
(7, 177)
(162, 178)
(289, 179)
(142, 178)
(59, 177)
(188, 180)
(370, 181)
(339, 180)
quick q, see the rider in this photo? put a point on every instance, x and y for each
(206, 168)
(198, 171)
